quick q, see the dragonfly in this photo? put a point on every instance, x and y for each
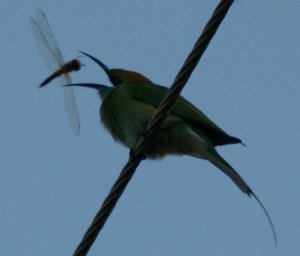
(54, 61)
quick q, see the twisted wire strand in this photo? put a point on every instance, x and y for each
(139, 153)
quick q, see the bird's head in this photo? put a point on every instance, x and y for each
(119, 76)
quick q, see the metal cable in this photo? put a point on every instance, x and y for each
(139, 153)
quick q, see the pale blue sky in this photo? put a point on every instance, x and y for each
(53, 182)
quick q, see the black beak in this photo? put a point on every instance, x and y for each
(89, 85)
(100, 63)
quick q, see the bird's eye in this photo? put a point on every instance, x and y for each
(116, 80)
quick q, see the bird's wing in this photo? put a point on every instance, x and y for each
(153, 95)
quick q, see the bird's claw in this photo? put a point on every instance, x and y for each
(132, 155)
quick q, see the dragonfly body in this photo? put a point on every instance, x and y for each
(73, 65)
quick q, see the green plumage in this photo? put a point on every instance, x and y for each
(129, 105)
(148, 96)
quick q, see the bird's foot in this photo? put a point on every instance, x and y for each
(132, 155)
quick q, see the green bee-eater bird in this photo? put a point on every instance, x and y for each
(128, 106)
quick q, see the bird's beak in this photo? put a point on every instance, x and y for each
(88, 85)
(100, 63)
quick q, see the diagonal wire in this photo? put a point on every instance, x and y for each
(139, 153)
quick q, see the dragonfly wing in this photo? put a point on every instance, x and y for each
(43, 23)
(53, 59)
(43, 46)
(70, 105)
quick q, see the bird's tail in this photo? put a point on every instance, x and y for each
(225, 167)
(199, 146)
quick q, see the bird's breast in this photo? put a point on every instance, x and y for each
(119, 114)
